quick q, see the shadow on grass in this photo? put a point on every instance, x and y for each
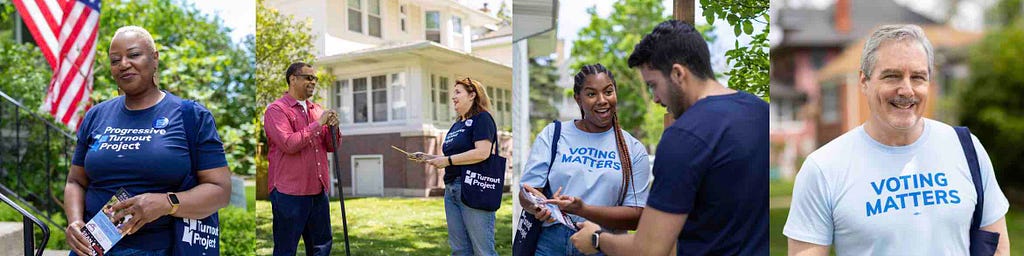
(389, 226)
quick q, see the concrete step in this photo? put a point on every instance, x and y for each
(56, 253)
(12, 241)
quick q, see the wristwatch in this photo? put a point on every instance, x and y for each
(173, 199)
(595, 239)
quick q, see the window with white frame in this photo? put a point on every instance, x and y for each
(433, 26)
(439, 98)
(398, 103)
(373, 18)
(355, 16)
(364, 17)
(508, 109)
(456, 25)
(359, 101)
(373, 99)
(379, 98)
(830, 104)
(501, 106)
(341, 96)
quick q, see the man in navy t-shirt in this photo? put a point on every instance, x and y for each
(710, 191)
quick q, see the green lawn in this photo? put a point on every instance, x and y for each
(780, 188)
(389, 226)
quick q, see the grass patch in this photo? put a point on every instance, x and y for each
(780, 187)
(389, 226)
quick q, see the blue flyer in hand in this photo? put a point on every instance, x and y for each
(102, 230)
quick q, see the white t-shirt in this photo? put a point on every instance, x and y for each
(867, 198)
(304, 107)
(587, 166)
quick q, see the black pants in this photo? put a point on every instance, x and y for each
(305, 216)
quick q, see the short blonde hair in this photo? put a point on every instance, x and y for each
(136, 29)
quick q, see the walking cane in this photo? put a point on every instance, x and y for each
(341, 194)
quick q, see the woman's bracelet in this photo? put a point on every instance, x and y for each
(450, 161)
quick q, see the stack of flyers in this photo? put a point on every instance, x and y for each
(102, 230)
(556, 213)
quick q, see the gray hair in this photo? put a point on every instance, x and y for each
(896, 33)
(136, 29)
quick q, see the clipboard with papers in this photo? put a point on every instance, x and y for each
(408, 155)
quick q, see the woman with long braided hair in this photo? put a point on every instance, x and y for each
(599, 172)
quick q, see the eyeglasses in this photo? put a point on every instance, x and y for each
(310, 78)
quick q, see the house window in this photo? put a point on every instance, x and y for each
(341, 96)
(370, 100)
(398, 103)
(433, 29)
(380, 98)
(359, 92)
(402, 18)
(830, 103)
(501, 106)
(373, 17)
(457, 25)
(439, 98)
(364, 17)
(355, 16)
(508, 108)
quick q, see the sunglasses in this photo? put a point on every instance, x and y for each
(311, 78)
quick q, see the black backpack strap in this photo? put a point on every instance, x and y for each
(972, 162)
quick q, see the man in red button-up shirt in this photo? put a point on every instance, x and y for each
(299, 139)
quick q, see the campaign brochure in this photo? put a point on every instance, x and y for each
(556, 213)
(103, 231)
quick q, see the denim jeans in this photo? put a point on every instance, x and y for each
(126, 251)
(470, 231)
(554, 241)
(308, 217)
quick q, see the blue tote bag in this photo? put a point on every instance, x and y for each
(483, 182)
(194, 236)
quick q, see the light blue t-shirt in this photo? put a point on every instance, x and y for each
(866, 198)
(587, 166)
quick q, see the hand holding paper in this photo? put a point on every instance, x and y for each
(552, 210)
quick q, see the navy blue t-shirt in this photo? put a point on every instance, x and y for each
(463, 136)
(712, 164)
(142, 151)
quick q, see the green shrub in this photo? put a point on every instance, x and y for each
(237, 231)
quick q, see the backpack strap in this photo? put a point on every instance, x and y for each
(554, 151)
(188, 122)
(967, 143)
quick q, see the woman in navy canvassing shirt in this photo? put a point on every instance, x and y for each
(137, 142)
(469, 140)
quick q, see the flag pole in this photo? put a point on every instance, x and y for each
(341, 193)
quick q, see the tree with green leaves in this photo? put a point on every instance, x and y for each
(990, 100)
(544, 93)
(750, 62)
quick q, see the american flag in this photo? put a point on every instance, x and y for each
(65, 31)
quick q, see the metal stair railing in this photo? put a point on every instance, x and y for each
(28, 220)
(35, 156)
